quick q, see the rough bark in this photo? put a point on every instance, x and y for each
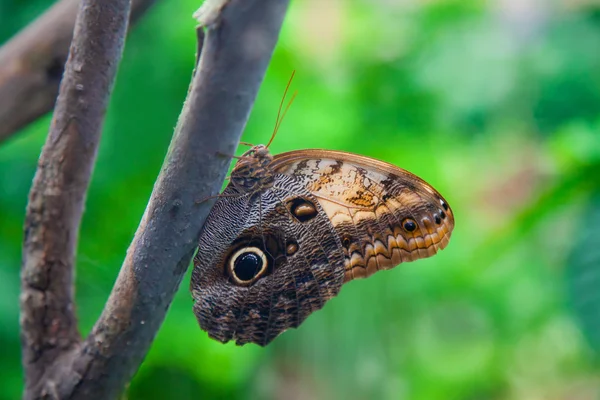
(238, 42)
(32, 63)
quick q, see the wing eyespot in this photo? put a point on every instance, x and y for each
(302, 209)
(346, 241)
(409, 225)
(247, 265)
(291, 248)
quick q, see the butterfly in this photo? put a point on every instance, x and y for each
(290, 229)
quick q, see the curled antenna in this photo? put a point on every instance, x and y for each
(279, 120)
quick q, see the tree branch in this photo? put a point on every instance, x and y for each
(234, 58)
(239, 42)
(31, 64)
(56, 199)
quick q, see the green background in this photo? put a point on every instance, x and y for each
(495, 103)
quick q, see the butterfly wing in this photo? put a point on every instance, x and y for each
(304, 263)
(327, 218)
(382, 214)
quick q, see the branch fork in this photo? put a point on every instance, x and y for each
(58, 363)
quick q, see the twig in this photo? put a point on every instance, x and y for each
(56, 199)
(237, 48)
(31, 64)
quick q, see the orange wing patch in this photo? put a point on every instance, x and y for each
(384, 215)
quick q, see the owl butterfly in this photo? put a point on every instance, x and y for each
(289, 230)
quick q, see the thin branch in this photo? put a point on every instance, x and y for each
(32, 62)
(56, 199)
(237, 48)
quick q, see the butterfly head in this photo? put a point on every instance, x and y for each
(252, 172)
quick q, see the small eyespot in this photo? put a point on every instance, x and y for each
(302, 209)
(291, 248)
(442, 214)
(409, 225)
(443, 203)
(438, 219)
(346, 241)
(247, 265)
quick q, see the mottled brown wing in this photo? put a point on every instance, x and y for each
(384, 215)
(303, 264)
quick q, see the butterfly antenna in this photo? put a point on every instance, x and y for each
(278, 120)
(287, 108)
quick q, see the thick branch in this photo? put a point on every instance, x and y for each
(56, 199)
(31, 64)
(238, 46)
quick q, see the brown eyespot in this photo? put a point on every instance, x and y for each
(291, 248)
(302, 209)
(246, 265)
(442, 214)
(438, 219)
(409, 225)
(346, 241)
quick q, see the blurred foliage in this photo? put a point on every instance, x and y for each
(583, 274)
(494, 103)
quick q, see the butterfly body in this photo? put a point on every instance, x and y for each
(289, 230)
